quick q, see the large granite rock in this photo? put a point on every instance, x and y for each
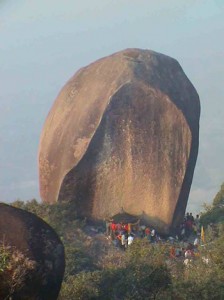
(28, 236)
(123, 132)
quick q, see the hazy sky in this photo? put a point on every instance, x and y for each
(43, 43)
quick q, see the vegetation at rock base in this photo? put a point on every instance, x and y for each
(215, 213)
(15, 269)
(96, 269)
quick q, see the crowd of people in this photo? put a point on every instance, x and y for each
(183, 245)
(123, 234)
(189, 226)
(189, 236)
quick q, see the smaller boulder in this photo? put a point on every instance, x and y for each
(33, 242)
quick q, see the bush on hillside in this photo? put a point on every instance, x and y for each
(144, 271)
(15, 269)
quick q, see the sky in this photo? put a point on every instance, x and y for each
(43, 43)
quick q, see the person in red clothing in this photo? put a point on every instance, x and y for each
(172, 252)
(125, 227)
(147, 232)
(113, 227)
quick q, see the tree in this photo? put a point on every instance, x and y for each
(219, 198)
(215, 212)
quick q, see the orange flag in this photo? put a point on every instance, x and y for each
(202, 234)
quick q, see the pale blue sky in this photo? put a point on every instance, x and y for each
(43, 43)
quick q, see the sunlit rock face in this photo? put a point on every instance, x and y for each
(123, 132)
(29, 236)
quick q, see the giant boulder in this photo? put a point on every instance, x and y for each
(123, 133)
(28, 236)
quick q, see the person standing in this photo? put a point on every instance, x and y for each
(108, 227)
(123, 241)
(197, 223)
(113, 229)
(153, 235)
(147, 233)
(130, 239)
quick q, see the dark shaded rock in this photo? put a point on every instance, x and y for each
(123, 132)
(37, 241)
(125, 218)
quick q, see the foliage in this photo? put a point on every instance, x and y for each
(219, 198)
(83, 286)
(214, 215)
(59, 216)
(203, 278)
(134, 281)
(99, 271)
(135, 277)
(77, 260)
(215, 212)
(14, 271)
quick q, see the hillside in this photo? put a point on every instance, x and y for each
(96, 269)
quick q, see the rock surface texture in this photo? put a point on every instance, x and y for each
(123, 132)
(38, 242)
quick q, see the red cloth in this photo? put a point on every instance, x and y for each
(147, 231)
(113, 227)
(125, 227)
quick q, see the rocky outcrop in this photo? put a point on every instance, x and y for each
(123, 132)
(30, 237)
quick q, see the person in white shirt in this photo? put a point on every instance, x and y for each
(196, 242)
(130, 239)
(123, 241)
(153, 235)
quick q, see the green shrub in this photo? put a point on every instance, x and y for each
(77, 260)
(84, 286)
(14, 270)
